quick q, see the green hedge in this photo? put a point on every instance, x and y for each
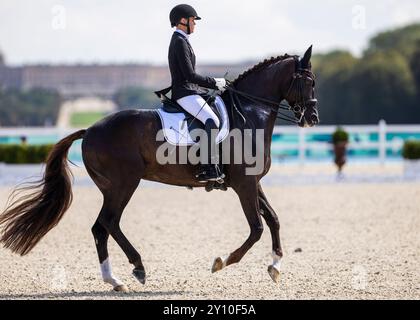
(340, 136)
(411, 149)
(19, 153)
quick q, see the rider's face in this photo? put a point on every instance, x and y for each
(191, 22)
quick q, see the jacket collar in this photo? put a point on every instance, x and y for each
(182, 33)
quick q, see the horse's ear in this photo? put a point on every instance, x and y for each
(306, 58)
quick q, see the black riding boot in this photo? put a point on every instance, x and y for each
(210, 171)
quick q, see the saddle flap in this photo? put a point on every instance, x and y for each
(178, 124)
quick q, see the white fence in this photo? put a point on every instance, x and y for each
(34, 131)
(382, 129)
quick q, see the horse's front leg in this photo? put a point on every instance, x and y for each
(272, 221)
(248, 196)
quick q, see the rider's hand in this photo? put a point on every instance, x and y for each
(220, 84)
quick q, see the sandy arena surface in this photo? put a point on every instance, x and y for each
(356, 241)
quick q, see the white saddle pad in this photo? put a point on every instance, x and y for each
(175, 127)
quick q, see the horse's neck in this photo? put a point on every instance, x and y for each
(261, 116)
(270, 85)
(262, 85)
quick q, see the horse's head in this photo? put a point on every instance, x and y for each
(301, 94)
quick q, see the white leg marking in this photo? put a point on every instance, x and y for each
(224, 259)
(107, 276)
(276, 261)
(219, 263)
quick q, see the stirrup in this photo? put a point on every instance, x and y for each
(219, 178)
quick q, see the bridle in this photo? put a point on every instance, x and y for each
(186, 25)
(300, 105)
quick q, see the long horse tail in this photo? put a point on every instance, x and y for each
(29, 217)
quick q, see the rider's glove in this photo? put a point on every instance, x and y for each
(220, 84)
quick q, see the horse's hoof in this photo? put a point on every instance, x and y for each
(121, 288)
(274, 274)
(140, 275)
(217, 265)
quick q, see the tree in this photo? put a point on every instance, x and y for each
(382, 84)
(35, 107)
(333, 71)
(382, 87)
(136, 97)
(415, 68)
(402, 39)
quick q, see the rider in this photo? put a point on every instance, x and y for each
(186, 82)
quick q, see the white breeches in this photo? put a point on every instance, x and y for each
(197, 106)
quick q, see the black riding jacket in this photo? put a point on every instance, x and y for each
(185, 81)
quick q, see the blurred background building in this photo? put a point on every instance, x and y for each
(100, 80)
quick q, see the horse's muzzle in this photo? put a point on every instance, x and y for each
(311, 114)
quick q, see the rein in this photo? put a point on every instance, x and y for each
(299, 108)
(259, 100)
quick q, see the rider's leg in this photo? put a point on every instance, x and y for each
(209, 169)
(210, 130)
(197, 107)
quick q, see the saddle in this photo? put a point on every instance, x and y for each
(177, 123)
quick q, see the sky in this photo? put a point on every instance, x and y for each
(138, 31)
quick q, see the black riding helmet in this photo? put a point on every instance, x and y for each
(182, 11)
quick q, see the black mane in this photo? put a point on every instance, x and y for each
(261, 65)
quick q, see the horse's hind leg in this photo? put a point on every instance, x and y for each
(109, 218)
(117, 185)
(101, 236)
(272, 220)
(248, 195)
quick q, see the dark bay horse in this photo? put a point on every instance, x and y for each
(120, 150)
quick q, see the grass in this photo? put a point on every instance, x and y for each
(81, 119)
